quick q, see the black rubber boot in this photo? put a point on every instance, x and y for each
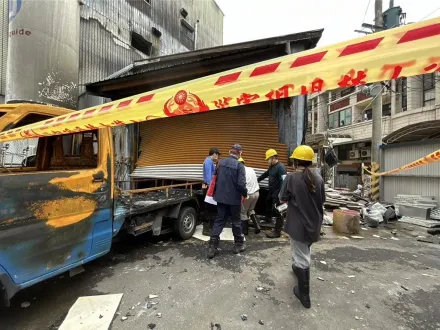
(245, 227)
(213, 247)
(206, 229)
(256, 224)
(239, 246)
(302, 290)
(276, 232)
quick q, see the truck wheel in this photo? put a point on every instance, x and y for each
(185, 224)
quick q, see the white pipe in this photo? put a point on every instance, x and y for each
(196, 34)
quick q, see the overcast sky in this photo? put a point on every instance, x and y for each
(257, 19)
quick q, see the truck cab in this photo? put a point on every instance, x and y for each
(59, 205)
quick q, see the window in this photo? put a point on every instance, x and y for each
(183, 12)
(368, 114)
(404, 94)
(386, 110)
(340, 119)
(333, 98)
(428, 81)
(347, 91)
(20, 153)
(187, 34)
(141, 44)
(74, 151)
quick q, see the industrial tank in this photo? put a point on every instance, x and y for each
(43, 54)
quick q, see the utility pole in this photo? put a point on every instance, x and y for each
(376, 93)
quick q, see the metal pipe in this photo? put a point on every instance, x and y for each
(378, 19)
(196, 34)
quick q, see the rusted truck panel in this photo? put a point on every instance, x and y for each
(59, 204)
(57, 212)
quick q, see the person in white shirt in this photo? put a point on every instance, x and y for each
(248, 206)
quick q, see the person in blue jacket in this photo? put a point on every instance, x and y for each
(209, 210)
(229, 190)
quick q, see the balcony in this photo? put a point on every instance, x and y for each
(340, 104)
(362, 131)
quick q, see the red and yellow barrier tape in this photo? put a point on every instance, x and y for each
(431, 158)
(406, 51)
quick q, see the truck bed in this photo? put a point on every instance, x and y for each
(142, 201)
(150, 201)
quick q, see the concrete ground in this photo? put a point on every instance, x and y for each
(369, 283)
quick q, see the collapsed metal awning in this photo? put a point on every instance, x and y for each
(416, 132)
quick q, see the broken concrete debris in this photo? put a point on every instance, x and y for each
(432, 240)
(124, 318)
(262, 289)
(159, 315)
(25, 304)
(337, 198)
(151, 326)
(320, 278)
(244, 317)
(261, 322)
(153, 296)
(217, 326)
(418, 210)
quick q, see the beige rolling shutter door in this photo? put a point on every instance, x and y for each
(187, 139)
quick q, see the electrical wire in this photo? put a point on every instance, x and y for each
(430, 14)
(366, 10)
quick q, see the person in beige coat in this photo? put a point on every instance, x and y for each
(248, 207)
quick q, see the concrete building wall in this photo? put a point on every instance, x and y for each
(107, 29)
(43, 53)
(107, 26)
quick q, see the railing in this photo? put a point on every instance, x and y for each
(166, 188)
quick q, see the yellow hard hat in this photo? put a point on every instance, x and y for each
(271, 153)
(241, 159)
(303, 152)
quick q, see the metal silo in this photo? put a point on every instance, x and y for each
(43, 54)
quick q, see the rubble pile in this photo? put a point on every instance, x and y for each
(342, 199)
(418, 210)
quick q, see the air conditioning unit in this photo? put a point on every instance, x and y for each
(365, 153)
(354, 154)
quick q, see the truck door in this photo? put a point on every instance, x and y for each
(55, 205)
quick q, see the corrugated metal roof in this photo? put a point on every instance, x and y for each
(311, 38)
(416, 132)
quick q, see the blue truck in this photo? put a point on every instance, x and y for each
(61, 207)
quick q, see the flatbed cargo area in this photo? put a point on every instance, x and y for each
(141, 202)
(161, 208)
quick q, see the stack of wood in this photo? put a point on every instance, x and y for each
(341, 199)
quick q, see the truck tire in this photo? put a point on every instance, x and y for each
(185, 224)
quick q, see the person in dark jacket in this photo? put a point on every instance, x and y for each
(304, 192)
(209, 208)
(229, 190)
(276, 174)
